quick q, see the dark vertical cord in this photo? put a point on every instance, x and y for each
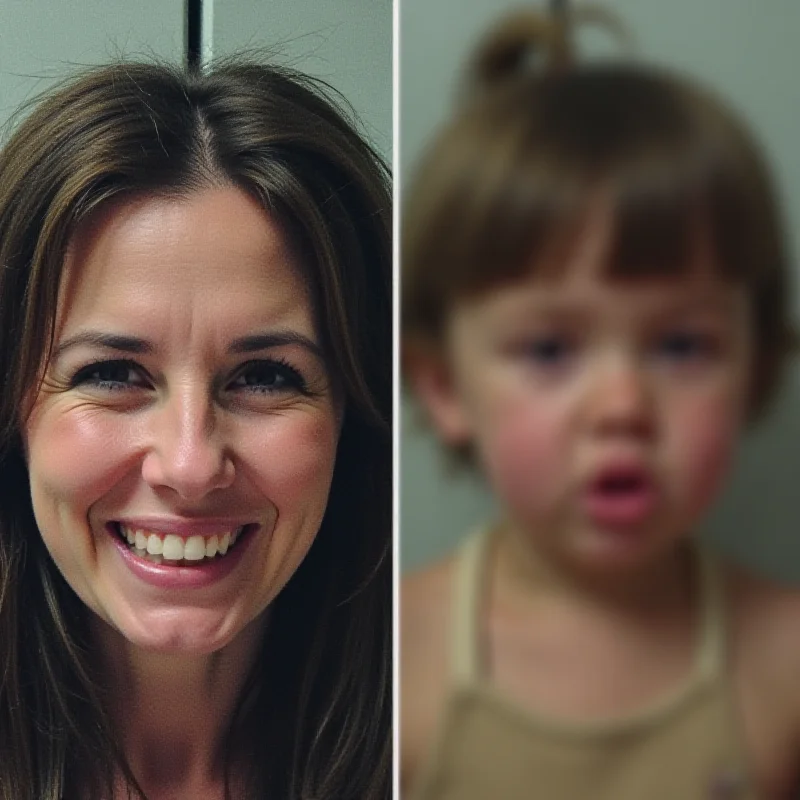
(194, 33)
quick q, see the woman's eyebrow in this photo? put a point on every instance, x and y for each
(265, 341)
(252, 343)
(108, 341)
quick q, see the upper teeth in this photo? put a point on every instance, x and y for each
(176, 548)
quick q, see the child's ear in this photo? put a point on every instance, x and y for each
(431, 379)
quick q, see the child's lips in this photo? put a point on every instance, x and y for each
(620, 496)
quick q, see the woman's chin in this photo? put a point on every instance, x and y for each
(189, 632)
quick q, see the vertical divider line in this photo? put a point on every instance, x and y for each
(396, 408)
(194, 34)
(206, 33)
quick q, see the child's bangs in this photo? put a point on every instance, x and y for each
(522, 212)
(509, 187)
(485, 203)
(505, 213)
(674, 210)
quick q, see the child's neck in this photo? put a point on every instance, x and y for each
(528, 571)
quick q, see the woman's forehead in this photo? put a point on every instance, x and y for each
(161, 254)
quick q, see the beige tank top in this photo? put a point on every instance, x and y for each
(685, 747)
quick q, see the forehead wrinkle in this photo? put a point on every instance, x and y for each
(92, 245)
(174, 302)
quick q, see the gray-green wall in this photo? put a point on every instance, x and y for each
(347, 43)
(42, 40)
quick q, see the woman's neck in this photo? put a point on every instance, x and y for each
(173, 711)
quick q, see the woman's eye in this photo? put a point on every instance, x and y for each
(109, 375)
(267, 377)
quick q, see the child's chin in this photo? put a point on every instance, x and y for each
(619, 550)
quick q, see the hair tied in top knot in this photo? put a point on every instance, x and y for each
(533, 42)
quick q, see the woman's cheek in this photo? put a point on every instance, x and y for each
(75, 455)
(292, 457)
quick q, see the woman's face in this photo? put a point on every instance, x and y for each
(187, 408)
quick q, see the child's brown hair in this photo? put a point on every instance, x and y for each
(514, 172)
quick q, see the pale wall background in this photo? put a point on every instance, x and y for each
(43, 40)
(748, 52)
(347, 43)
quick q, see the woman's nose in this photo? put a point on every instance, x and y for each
(620, 402)
(188, 452)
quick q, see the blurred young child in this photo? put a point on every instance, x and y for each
(595, 305)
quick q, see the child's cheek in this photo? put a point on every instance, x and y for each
(522, 453)
(704, 439)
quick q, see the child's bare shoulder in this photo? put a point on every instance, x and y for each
(430, 585)
(766, 641)
(765, 610)
(425, 614)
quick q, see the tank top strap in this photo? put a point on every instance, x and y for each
(712, 646)
(467, 595)
(468, 590)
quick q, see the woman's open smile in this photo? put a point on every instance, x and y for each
(183, 560)
(179, 542)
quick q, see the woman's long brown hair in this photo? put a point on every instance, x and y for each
(315, 721)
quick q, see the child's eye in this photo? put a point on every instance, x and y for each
(549, 351)
(109, 375)
(681, 346)
(268, 377)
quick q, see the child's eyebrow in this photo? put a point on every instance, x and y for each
(722, 304)
(658, 308)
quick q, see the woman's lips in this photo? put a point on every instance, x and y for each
(172, 574)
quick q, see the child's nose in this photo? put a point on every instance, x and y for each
(620, 401)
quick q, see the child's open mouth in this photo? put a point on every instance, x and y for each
(621, 496)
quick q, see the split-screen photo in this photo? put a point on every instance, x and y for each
(400, 400)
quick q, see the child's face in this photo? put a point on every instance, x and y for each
(604, 411)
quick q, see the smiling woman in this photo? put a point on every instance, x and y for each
(195, 577)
